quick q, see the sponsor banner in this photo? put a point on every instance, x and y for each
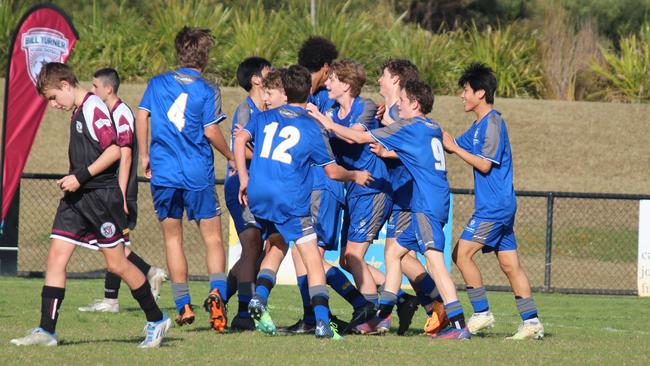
(644, 248)
(374, 256)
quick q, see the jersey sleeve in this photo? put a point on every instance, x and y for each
(321, 154)
(490, 146)
(392, 137)
(251, 126)
(366, 117)
(99, 125)
(123, 119)
(146, 101)
(212, 112)
(465, 140)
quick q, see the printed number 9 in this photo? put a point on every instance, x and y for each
(438, 154)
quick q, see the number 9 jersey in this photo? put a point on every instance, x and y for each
(288, 142)
(181, 104)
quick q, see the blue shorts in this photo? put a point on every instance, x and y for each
(292, 230)
(494, 235)
(367, 214)
(326, 217)
(170, 203)
(398, 222)
(241, 216)
(423, 232)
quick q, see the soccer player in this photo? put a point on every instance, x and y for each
(317, 54)
(394, 74)
(185, 110)
(250, 74)
(106, 83)
(417, 142)
(367, 207)
(288, 143)
(91, 212)
(485, 146)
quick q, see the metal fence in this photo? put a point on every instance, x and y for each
(568, 242)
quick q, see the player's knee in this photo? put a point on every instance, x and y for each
(509, 267)
(117, 267)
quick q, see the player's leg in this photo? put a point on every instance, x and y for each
(463, 256)
(155, 275)
(307, 324)
(426, 292)
(251, 242)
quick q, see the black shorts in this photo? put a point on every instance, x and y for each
(92, 218)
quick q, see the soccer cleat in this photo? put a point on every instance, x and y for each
(529, 331)
(155, 331)
(261, 316)
(242, 323)
(360, 316)
(36, 337)
(324, 330)
(300, 327)
(217, 309)
(156, 277)
(375, 325)
(102, 306)
(405, 311)
(186, 316)
(438, 319)
(453, 333)
(480, 321)
(340, 323)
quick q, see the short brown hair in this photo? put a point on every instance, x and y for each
(417, 90)
(192, 47)
(296, 81)
(52, 74)
(350, 73)
(273, 80)
(402, 68)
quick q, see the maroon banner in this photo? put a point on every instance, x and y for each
(44, 34)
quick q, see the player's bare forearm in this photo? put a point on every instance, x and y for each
(105, 160)
(351, 134)
(126, 158)
(142, 132)
(239, 150)
(481, 164)
(337, 172)
(214, 135)
(379, 150)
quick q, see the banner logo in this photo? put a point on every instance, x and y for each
(41, 46)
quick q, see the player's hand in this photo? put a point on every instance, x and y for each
(448, 142)
(146, 167)
(377, 149)
(69, 183)
(363, 177)
(314, 112)
(237, 128)
(243, 194)
(381, 109)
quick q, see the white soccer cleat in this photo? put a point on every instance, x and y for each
(529, 331)
(102, 306)
(36, 337)
(156, 277)
(155, 331)
(480, 321)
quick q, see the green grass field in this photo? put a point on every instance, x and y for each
(579, 330)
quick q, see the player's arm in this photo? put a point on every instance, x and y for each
(379, 150)
(142, 134)
(337, 172)
(239, 149)
(355, 134)
(249, 148)
(72, 182)
(481, 164)
(216, 139)
(126, 158)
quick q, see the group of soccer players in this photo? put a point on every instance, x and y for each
(311, 164)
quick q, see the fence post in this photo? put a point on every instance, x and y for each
(549, 241)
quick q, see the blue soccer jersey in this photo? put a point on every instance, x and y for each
(418, 143)
(359, 157)
(321, 99)
(400, 178)
(494, 192)
(181, 104)
(243, 114)
(288, 142)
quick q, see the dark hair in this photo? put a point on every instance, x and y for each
(192, 47)
(480, 77)
(296, 81)
(251, 66)
(109, 76)
(52, 74)
(315, 52)
(417, 90)
(404, 69)
(350, 73)
(274, 79)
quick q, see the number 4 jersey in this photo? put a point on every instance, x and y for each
(418, 143)
(288, 142)
(181, 104)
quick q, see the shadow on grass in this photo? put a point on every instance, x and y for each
(129, 340)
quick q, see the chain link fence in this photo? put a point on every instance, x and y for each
(568, 242)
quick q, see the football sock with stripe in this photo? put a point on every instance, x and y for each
(51, 299)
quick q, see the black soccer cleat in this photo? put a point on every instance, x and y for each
(406, 309)
(360, 316)
(300, 327)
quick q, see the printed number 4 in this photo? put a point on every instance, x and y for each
(291, 136)
(438, 154)
(176, 112)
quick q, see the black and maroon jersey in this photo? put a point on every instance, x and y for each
(92, 132)
(124, 124)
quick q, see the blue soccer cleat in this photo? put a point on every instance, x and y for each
(155, 331)
(261, 316)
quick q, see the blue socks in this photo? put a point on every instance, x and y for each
(526, 307)
(478, 298)
(340, 283)
(455, 313)
(320, 303)
(264, 284)
(181, 293)
(218, 281)
(308, 310)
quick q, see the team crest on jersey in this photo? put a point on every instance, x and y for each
(41, 46)
(475, 137)
(108, 229)
(288, 113)
(79, 127)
